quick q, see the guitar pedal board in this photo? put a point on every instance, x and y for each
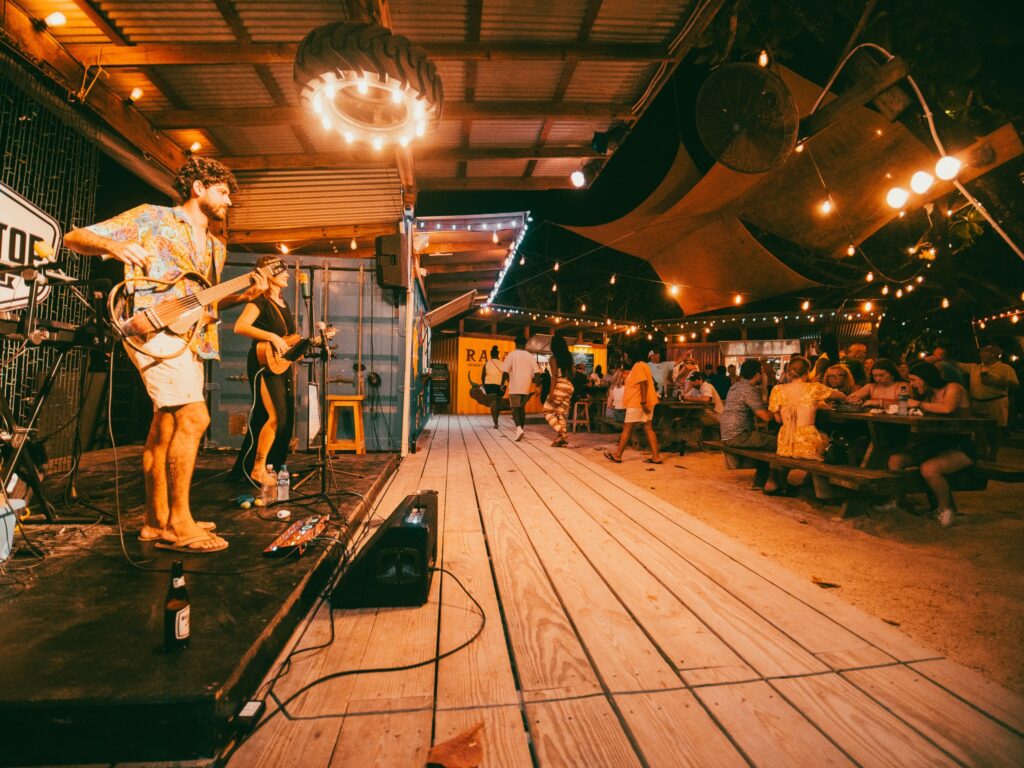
(297, 536)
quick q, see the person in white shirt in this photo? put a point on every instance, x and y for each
(700, 391)
(492, 377)
(660, 371)
(518, 370)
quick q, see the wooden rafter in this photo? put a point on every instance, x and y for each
(325, 234)
(496, 182)
(361, 157)
(490, 110)
(223, 54)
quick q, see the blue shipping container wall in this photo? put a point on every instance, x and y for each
(383, 335)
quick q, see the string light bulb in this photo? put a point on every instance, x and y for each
(577, 178)
(945, 303)
(55, 19)
(805, 306)
(899, 293)
(522, 261)
(799, 148)
(870, 277)
(196, 146)
(1015, 319)
(583, 307)
(353, 244)
(494, 236)
(947, 168)
(851, 249)
(612, 281)
(885, 290)
(556, 266)
(762, 59)
(826, 206)
(897, 197)
(737, 299)
(283, 248)
(554, 287)
(136, 94)
(673, 290)
(921, 182)
(868, 306)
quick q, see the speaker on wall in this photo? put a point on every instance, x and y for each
(392, 271)
(395, 567)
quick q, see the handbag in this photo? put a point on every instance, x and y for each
(838, 451)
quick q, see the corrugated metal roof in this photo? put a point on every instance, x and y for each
(614, 81)
(282, 75)
(495, 168)
(270, 199)
(447, 133)
(218, 87)
(79, 27)
(575, 131)
(436, 168)
(262, 140)
(191, 22)
(627, 21)
(274, 21)
(533, 81)
(556, 166)
(550, 20)
(511, 133)
(437, 21)
(122, 81)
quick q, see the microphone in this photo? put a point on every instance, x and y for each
(304, 285)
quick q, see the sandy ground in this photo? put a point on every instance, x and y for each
(959, 591)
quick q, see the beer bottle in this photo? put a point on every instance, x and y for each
(176, 610)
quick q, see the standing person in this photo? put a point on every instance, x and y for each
(596, 378)
(660, 371)
(556, 407)
(267, 318)
(639, 398)
(545, 383)
(938, 455)
(990, 383)
(854, 360)
(492, 378)
(949, 369)
(733, 376)
(517, 371)
(580, 382)
(159, 242)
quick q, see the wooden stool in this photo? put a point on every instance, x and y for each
(336, 407)
(580, 415)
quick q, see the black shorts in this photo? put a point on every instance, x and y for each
(940, 444)
(492, 389)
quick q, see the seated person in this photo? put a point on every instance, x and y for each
(596, 378)
(885, 387)
(701, 391)
(936, 456)
(743, 404)
(795, 406)
(838, 377)
(579, 382)
(616, 391)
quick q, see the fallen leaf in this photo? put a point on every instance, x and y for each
(890, 621)
(824, 584)
(466, 750)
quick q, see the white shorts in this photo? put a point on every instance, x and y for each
(637, 415)
(169, 383)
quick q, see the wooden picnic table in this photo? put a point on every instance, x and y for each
(677, 421)
(887, 430)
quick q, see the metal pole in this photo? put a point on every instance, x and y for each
(360, 380)
(409, 305)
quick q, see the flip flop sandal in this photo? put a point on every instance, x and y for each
(652, 461)
(611, 457)
(186, 546)
(209, 527)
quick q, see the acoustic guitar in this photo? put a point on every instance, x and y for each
(275, 362)
(172, 317)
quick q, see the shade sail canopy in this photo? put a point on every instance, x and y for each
(693, 228)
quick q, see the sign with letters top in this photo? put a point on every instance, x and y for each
(22, 226)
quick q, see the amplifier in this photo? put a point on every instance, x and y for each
(395, 567)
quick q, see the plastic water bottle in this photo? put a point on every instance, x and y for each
(284, 482)
(901, 401)
(268, 491)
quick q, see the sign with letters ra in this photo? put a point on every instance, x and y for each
(22, 227)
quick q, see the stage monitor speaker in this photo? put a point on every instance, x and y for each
(395, 567)
(389, 251)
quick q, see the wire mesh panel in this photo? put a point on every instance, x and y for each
(48, 155)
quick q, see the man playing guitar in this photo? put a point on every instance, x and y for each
(164, 243)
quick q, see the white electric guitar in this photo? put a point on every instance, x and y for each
(166, 329)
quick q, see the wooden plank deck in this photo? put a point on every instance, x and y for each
(619, 631)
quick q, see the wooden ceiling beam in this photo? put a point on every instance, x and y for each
(462, 285)
(452, 253)
(489, 110)
(360, 158)
(465, 269)
(290, 234)
(502, 183)
(223, 54)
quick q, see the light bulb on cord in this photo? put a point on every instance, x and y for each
(945, 303)
(868, 306)
(136, 94)
(283, 248)
(870, 277)
(494, 236)
(826, 206)
(556, 266)
(1015, 319)
(762, 59)
(897, 197)
(196, 146)
(921, 182)
(554, 287)
(885, 290)
(851, 249)
(947, 168)
(577, 178)
(737, 299)
(353, 245)
(799, 147)
(673, 290)
(899, 293)
(55, 19)
(806, 305)
(522, 261)
(612, 281)
(583, 307)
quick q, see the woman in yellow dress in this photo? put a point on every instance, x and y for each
(795, 405)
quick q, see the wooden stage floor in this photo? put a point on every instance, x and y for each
(619, 631)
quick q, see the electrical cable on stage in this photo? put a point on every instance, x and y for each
(283, 704)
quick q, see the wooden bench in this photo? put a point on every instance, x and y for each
(611, 424)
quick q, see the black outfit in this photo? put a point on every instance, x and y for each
(272, 318)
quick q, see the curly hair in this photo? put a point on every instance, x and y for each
(205, 170)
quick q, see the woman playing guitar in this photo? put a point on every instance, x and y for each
(267, 318)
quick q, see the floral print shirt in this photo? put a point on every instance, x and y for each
(166, 235)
